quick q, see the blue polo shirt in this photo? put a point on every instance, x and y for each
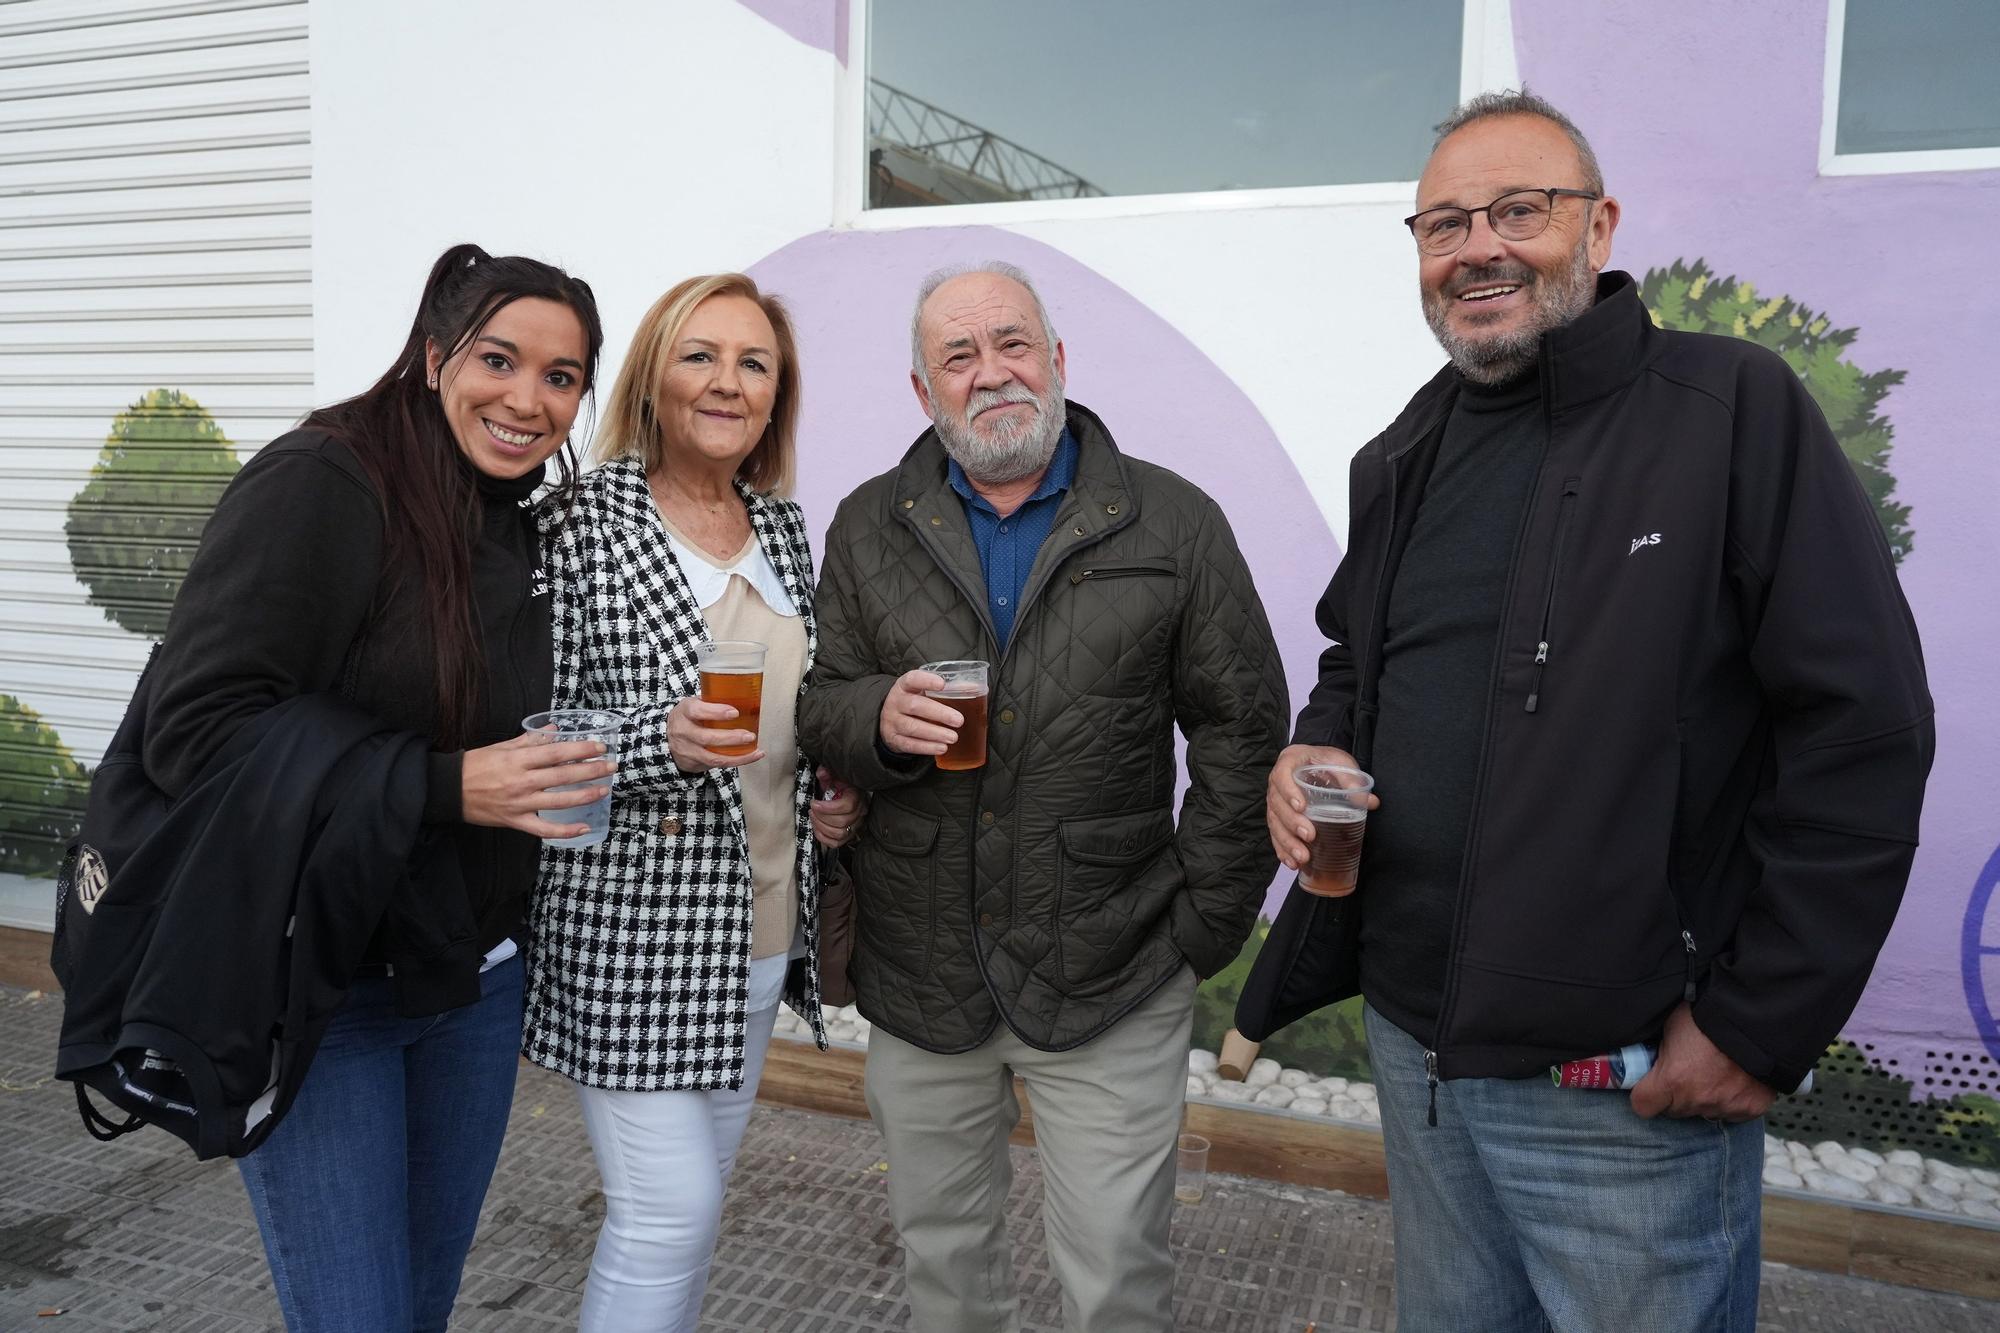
(1008, 546)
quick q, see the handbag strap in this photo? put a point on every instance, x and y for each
(102, 1127)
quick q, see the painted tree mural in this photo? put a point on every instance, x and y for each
(1688, 296)
(42, 791)
(134, 526)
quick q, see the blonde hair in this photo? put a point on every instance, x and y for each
(630, 430)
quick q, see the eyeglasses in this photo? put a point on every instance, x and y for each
(1519, 216)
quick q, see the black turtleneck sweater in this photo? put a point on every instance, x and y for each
(293, 569)
(1437, 681)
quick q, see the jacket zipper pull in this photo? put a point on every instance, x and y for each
(1431, 1078)
(1541, 661)
(1687, 939)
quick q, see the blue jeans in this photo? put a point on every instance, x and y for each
(368, 1191)
(1530, 1207)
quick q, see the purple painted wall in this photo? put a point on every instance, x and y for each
(817, 23)
(1706, 115)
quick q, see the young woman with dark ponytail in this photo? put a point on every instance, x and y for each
(385, 552)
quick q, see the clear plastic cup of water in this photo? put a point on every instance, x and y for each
(580, 724)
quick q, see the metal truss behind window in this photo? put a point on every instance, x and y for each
(1049, 99)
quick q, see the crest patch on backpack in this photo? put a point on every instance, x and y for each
(92, 877)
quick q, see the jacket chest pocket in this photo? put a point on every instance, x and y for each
(1119, 615)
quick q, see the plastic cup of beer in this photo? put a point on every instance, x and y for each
(965, 690)
(580, 724)
(1190, 1168)
(1337, 805)
(732, 672)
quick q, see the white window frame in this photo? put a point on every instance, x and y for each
(1486, 60)
(1832, 163)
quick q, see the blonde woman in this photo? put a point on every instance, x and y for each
(660, 956)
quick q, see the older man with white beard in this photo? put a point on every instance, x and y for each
(1046, 914)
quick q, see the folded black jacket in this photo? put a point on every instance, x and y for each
(1708, 731)
(203, 942)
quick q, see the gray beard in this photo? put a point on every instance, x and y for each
(1558, 301)
(1012, 450)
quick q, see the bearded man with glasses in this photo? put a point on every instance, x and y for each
(1620, 639)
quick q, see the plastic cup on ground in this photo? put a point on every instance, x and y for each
(732, 672)
(965, 690)
(1337, 804)
(1191, 1168)
(580, 724)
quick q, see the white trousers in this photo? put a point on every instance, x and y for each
(665, 1158)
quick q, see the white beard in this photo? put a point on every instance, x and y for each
(1010, 449)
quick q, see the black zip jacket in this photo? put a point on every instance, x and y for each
(1708, 730)
(203, 959)
(292, 592)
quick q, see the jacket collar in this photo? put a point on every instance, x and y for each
(1099, 501)
(1599, 352)
(628, 502)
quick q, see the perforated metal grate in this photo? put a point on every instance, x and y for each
(1948, 1108)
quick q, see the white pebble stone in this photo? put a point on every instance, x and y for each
(1308, 1106)
(1195, 1087)
(1201, 1062)
(1981, 1209)
(1361, 1092)
(1344, 1108)
(1828, 1151)
(1929, 1198)
(1853, 1168)
(1798, 1150)
(1983, 1193)
(1371, 1113)
(1271, 1094)
(1903, 1174)
(1772, 1143)
(1946, 1185)
(1783, 1178)
(1825, 1182)
(1262, 1073)
(1946, 1171)
(1229, 1090)
(1905, 1157)
(1986, 1176)
(828, 1012)
(1293, 1078)
(1883, 1191)
(1866, 1155)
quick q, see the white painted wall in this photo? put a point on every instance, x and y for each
(633, 143)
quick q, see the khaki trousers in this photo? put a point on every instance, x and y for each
(1106, 1117)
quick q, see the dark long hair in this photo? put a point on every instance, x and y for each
(398, 432)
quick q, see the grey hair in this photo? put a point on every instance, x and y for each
(937, 278)
(1521, 102)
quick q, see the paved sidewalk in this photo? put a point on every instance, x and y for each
(138, 1235)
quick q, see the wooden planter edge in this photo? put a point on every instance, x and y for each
(1883, 1245)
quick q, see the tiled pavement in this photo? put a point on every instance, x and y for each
(137, 1235)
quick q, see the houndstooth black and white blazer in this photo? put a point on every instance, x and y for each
(640, 946)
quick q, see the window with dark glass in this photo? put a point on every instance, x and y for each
(1919, 76)
(1056, 99)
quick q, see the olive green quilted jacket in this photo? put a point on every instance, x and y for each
(1052, 888)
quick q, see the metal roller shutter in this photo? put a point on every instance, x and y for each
(155, 269)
